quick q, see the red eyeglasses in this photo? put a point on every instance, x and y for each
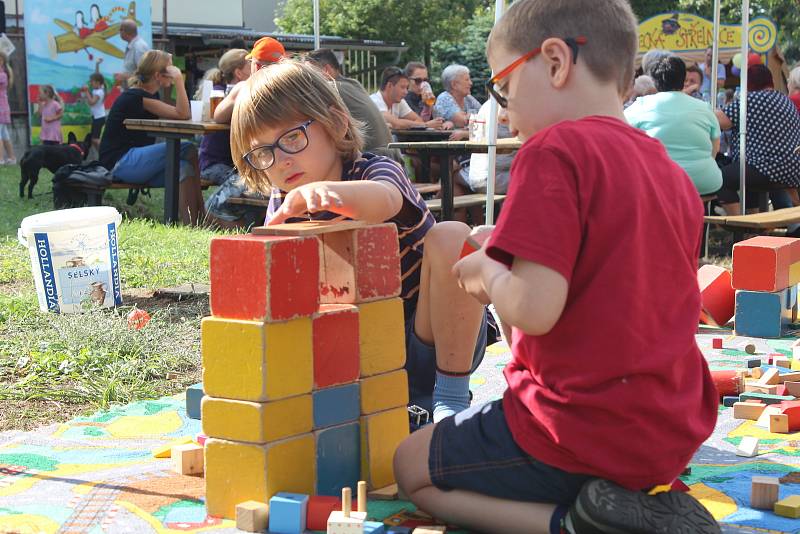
(572, 42)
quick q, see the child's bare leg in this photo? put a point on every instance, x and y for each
(447, 317)
(192, 207)
(466, 509)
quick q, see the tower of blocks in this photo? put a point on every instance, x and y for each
(766, 271)
(303, 361)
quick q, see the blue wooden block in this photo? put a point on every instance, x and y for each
(287, 513)
(338, 458)
(753, 363)
(729, 401)
(194, 396)
(762, 314)
(374, 527)
(398, 530)
(336, 405)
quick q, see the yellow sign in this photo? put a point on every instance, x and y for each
(682, 32)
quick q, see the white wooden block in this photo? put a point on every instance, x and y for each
(763, 420)
(748, 447)
(338, 523)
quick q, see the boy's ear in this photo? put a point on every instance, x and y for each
(558, 58)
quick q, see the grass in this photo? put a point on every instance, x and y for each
(55, 366)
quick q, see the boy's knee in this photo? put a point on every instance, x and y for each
(446, 239)
(411, 461)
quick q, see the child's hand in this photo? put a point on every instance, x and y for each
(309, 198)
(470, 271)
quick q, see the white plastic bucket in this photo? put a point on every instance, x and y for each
(74, 258)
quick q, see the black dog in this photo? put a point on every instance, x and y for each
(51, 157)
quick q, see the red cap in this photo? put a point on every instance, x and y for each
(266, 50)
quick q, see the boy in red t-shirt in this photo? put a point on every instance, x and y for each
(592, 265)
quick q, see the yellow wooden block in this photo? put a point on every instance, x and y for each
(165, 451)
(255, 361)
(257, 422)
(238, 472)
(382, 336)
(381, 433)
(384, 391)
(794, 273)
(795, 364)
(788, 507)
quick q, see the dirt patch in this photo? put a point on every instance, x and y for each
(30, 414)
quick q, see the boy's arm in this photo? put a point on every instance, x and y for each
(529, 296)
(224, 110)
(373, 201)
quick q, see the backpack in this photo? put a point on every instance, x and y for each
(77, 185)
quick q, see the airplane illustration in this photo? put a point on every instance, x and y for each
(79, 36)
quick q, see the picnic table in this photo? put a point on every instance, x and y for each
(447, 150)
(408, 135)
(173, 131)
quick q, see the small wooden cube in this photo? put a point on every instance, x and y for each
(716, 343)
(187, 459)
(765, 417)
(779, 423)
(252, 516)
(764, 492)
(748, 447)
(788, 507)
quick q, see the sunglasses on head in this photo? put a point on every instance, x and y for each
(491, 86)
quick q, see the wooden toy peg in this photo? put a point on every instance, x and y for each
(362, 496)
(347, 496)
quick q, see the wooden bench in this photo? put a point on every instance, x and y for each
(758, 222)
(463, 201)
(204, 184)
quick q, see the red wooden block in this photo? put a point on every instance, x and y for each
(360, 265)
(336, 345)
(476, 239)
(264, 278)
(728, 383)
(764, 263)
(716, 343)
(792, 409)
(320, 507)
(781, 390)
(717, 296)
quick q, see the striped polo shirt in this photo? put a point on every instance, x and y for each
(413, 220)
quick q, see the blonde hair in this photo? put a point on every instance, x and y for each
(152, 62)
(609, 26)
(50, 92)
(230, 61)
(8, 69)
(284, 92)
(794, 79)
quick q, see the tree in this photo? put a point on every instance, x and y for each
(417, 23)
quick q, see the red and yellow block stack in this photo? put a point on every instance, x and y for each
(302, 362)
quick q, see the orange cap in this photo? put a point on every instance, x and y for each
(266, 50)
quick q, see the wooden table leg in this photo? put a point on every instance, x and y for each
(446, 180)
(172, 174)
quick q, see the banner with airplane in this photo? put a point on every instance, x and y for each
(67, 41)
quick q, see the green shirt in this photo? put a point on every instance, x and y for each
(686, 126)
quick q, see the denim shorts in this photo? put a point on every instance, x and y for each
(475, 451)
(217, 173)
(421, 363)
(145, 165)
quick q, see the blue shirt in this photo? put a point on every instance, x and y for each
(413, 220)
(686, 126)
(446, 106)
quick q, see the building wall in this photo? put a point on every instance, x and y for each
(260, 14)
